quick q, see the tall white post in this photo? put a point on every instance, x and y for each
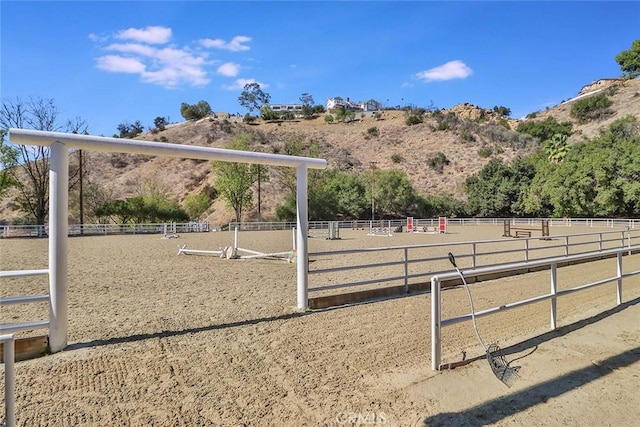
(554, 291)
(302, 230)
(58, 236)
(619, 275)
(436, 319)
(9, 380)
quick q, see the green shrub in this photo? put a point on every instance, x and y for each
(467, 136)
(532, 115)
(545, 129)
(413, 120)
(328, 118)
(485, 151)
(373, 131)
(591, 108)
(438, 162)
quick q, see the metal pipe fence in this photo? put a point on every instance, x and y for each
(417, 262)
(552, 263)
(13, 231)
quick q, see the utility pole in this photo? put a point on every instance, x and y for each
(373, 187)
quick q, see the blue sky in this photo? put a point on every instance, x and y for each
(115, 62)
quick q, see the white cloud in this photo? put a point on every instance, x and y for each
(120, 64)
(237, 44)
(229, 69)
(147, 53)
(406, 84)
(240, 84)
(151, 35)
(449, 71)
(169, 66)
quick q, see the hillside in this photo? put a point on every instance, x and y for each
(467, 135)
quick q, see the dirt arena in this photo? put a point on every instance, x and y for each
(157, 339)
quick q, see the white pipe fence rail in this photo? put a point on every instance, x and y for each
(29, 299)
(476, 255)
(12, 231)
(9, 379)
(552, 263)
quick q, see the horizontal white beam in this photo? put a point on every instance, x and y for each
(151, 148)
(24, 300)
(27, 326)
(23, 273)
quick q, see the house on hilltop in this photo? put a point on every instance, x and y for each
(596, 85)
(370, 105)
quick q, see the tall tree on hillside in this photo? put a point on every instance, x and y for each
(307, 105)
(629, 60)
(33, 182)
(253, 98)
(234, 180)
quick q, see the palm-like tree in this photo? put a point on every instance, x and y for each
(557, 148)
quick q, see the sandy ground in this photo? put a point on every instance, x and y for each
(162, 340)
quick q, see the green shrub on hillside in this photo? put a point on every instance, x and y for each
(545, 129)
(413, 120)
(438, 162)
(485, 151)
(592, 108)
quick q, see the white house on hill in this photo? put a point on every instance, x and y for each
(370, 105)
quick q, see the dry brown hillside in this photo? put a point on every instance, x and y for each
(467, 135)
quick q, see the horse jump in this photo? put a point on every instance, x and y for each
(525, 231)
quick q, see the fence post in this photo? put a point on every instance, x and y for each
(566, 245)
(9, 379)
(526, 249)
(58, 242)
(435, 324)
(554, 291)
(600, 242)
(302, 234)
(406, 270)
(619, 274)
(474, 253)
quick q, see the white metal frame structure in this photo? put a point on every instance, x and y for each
(60, 144)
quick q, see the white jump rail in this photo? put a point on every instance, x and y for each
(436, 295)
(9, 379)
(60, 144)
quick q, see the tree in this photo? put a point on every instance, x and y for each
(499, 189)
(234, 181)
(502, 111)
(33, 183)
(393, 194)
(196, 111)
(557, 148)
(160, 123)
(344, 115)
(307, 105)
(252, 97)
(127, 130)
(8, 161)
(629, 60)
